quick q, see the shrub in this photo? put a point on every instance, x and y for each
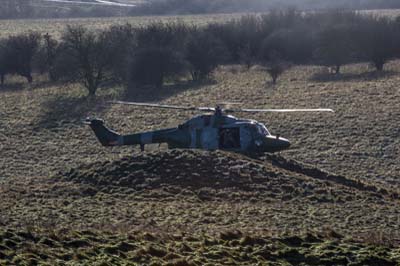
(227, 34)
(204, 52)
(162, 35)
(276, 66)
(281, 19)
(122, 41)
(150, 66)
(294, 45)
(335, 46)
(17, 54)
(378, 41)
(3, 60)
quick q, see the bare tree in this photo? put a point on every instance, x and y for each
(274, 57)
(46, 57)
(276, 68)
(85, 57)
(246, 57)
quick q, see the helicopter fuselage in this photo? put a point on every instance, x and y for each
(225, 132)
(208, 132)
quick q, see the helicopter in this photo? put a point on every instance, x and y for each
(213, 130)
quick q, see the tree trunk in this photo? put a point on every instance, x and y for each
(274, 78)
(160, 81)
(92, 88)
(337, 69)
(92, 92)
(29, 78)
(379, 66)
(195, 76)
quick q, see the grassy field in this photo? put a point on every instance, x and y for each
(55, 175)
(228, 248)
(56, 26)
(392, 13)
(332, 199)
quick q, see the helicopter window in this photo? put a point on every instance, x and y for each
(262, 130)
(229, 138)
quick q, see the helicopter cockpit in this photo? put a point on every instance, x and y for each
(257, 129)
(262, 129)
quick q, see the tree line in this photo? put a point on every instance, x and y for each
(166, 52)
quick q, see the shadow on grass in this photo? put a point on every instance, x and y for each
(153, 94)
(60, 111)
(11, 87)
(349, 77)
(23, 85)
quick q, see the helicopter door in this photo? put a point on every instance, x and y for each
(245, 137)
(209, 138)
(229, 138)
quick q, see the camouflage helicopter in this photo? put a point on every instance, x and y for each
(211, 131)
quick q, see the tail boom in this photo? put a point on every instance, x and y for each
(109, 137)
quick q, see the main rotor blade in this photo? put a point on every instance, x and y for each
(165, 106)
(279, 110)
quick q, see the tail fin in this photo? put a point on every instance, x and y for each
(106, 136)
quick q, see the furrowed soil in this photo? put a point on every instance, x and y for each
(332, 199)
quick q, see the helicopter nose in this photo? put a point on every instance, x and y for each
(285, 143)
(277, 143)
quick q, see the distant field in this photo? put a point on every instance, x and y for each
(123, 3)
(56, 26)
(384, 12)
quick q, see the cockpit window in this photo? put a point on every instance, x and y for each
(262, 130)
